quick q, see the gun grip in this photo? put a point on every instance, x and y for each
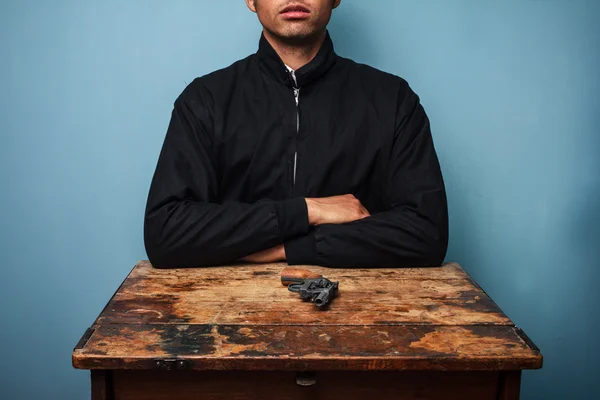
(291, 275)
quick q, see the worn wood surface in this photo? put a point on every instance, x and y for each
(276, 347)
(253, 294)
(347, 385)
(241, 317)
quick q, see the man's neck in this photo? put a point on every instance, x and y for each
(296, 55)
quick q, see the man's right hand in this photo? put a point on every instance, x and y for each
(335, 209)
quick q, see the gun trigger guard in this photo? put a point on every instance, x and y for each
(294, 287)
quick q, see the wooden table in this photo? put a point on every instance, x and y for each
(235, 332)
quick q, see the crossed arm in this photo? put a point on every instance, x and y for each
(332, 210)
(185, 226)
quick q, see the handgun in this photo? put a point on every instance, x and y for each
(311, 286)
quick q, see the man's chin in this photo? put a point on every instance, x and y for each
(297, 37)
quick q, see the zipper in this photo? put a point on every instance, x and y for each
(297, 99)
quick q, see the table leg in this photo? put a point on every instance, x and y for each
(102, 388)
(510, 385)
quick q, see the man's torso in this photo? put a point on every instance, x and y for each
(342, 144)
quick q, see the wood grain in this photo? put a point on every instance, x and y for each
(275, 347)
(240, 317)
(253, 294)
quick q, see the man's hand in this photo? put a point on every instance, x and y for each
(273, 254)
(335, 209)
(321, 210)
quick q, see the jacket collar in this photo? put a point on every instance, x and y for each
(273, 66)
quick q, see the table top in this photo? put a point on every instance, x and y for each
(240, 317)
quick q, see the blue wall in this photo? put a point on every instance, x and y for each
(86, 90)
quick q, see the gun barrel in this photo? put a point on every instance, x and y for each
(322, 298)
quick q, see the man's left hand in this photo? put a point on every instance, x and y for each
(273, 254)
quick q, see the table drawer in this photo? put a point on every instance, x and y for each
(264, 385)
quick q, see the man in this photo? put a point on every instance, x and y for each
(296, 154)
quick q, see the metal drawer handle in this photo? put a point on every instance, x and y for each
(306, 378)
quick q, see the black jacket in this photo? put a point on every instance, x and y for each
(234, 170)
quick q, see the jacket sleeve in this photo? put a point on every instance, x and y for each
(184, 224)
(413, 231)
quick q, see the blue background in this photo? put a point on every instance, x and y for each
(86, 90)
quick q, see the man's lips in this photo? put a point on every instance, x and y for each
(295, 12)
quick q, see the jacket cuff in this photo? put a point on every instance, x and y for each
(292, 215)
(302, 250)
